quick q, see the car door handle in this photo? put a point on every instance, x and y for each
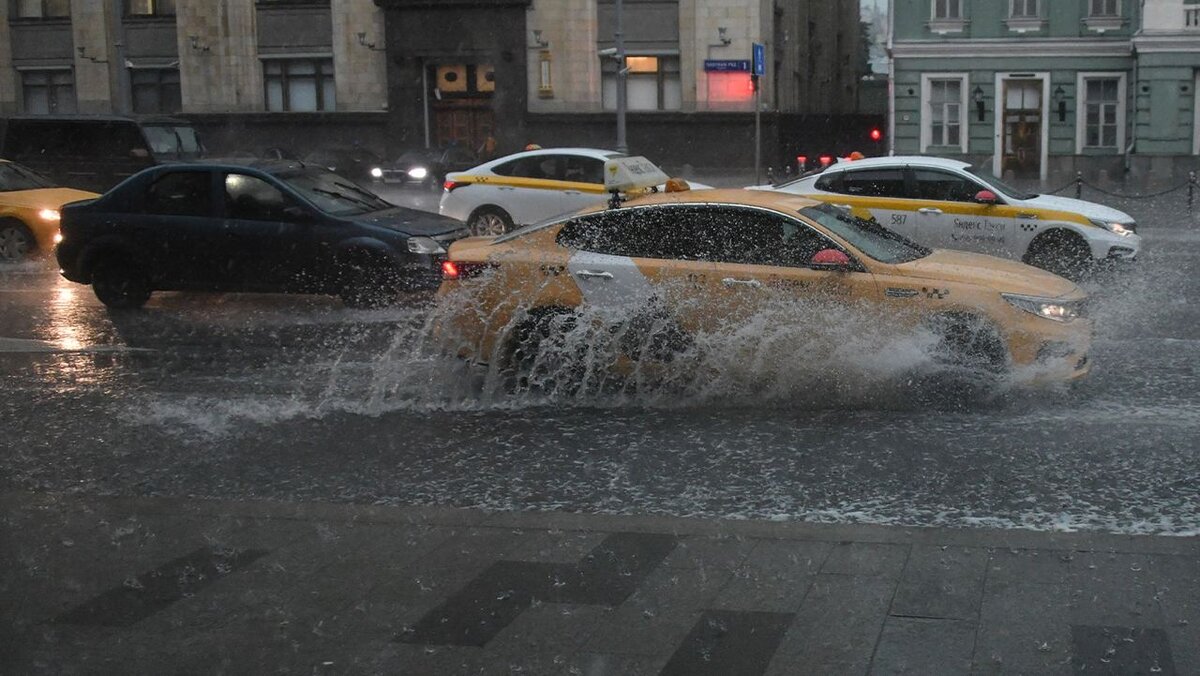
(594, 274)
(752, 283)
(843, 207)
(506, 187)
(572, 192)
(1027, 216)
(929, 210)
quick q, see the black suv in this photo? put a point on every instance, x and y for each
(274, 227)
(95, 152)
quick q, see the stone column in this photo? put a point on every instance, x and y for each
(8, 76)
(90, 23)
(360, 72)
(219, 69)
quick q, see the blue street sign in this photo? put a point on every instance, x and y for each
(760, 59)
(726, 66)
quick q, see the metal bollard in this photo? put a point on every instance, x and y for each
(771, 175)
(1078, 185)
(1191, 191)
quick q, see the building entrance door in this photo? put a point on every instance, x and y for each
(464, 123)
(1023, 127)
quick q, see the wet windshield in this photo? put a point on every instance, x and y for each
(868, 237)
(335, 195)
(15, 177)
(1001, 187)
(173, 142)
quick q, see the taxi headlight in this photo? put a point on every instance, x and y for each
(1046, 308)
(418, 173)
(1124, 230)
(49, 215)
(424, 245)
(376, 172)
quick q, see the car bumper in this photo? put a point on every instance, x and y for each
(1106, 246)
(1054, 353)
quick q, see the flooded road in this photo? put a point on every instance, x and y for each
(298, 398)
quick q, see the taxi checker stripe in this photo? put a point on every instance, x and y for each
(534, 183)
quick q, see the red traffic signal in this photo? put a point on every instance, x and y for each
(876, 134)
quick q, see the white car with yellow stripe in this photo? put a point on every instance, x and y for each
(949, 204)
(526, 188)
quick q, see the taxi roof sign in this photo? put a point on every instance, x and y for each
(625, 174)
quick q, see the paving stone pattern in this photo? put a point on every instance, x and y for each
(109, 585)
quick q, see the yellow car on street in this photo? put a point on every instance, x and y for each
(29, 205)
(686, 261)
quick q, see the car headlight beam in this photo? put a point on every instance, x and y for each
(376, 172)
(425, 245)
(51, 215)
(418, 173)
(1120, 229)
(1046, 308)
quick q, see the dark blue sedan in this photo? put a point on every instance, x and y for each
(274, 227)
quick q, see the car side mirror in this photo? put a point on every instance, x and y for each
(830, 259)
(139, 154)
(986, 197)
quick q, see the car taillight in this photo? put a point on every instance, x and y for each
(461, 270)
(450, 186)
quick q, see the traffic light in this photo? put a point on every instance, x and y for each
(876, 135)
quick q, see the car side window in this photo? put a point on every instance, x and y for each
(874, 183)
(944, 186)
(539, 166)
(828, 182)
(180, 193)
(754, 237)
(583, 169)
(649, 232)
(252, 199)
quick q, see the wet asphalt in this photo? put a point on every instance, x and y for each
(301, 399)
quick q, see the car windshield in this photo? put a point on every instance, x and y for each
(868, 237)
(15, 177)
(415, 157)
(1000, 186)
(335, 195)
(174, 141)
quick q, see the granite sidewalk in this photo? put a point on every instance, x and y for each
(100, 585)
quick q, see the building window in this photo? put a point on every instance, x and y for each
(43, 9)
(1104, 8)
(1191, 17)
(48, 92)
(150, 8)
(156, 90)
(943, 111)
(1101, 104)
(947, 10)
(299, 85)
(652, 83)
(1024, 9)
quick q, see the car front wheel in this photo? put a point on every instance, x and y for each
(120, 285)
(1062, 252)
(367, 283)
(16, 243)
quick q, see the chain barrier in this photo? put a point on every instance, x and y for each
(1079, 184)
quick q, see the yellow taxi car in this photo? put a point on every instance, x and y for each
(714, 256)
(29, 205)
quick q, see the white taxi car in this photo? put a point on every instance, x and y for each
(526, 187)
(949, 204)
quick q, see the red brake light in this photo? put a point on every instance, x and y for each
(826, 160)
(464, 269)
(451, 185)
(449, 269)
(876, 134)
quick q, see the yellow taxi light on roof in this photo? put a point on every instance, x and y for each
(625, 174)
(678, 185)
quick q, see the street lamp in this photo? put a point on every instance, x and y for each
(977, 96)
(1060, 102)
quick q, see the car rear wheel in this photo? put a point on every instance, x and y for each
(490, 222)
(16, 242)
(541, 358)
(1062, 252)
(121, 285)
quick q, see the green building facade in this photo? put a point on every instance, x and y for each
(1044, 88)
